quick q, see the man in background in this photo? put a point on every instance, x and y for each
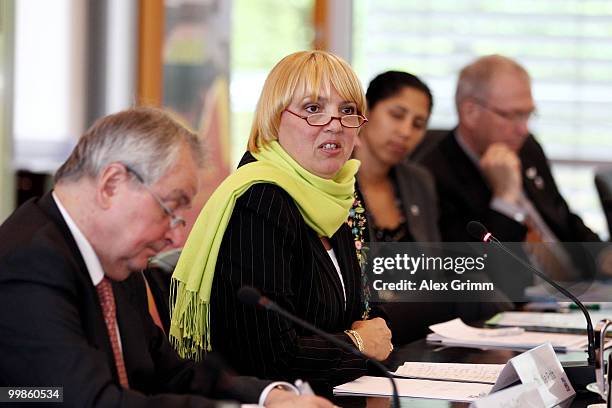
(490, 169)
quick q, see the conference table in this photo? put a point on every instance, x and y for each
(420, 350)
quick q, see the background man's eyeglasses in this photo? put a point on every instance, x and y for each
(175, 220)
(515, 117)
(322, 119)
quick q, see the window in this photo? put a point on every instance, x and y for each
(263, 32)
(565, 45)
(49, 82)
(7, 175)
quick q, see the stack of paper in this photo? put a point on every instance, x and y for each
(574, 321)
(447, 381)
(456, 333)
(464, 372)
(444, 390)
(538, 367)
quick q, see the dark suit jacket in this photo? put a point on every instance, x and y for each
(268, 245)
(416, 188)
(464, 195)
(410, 321)
(52, 332)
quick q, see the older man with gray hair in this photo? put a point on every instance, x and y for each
(490, 169)
(73, 313)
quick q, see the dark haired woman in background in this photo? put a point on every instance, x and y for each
(400, 198)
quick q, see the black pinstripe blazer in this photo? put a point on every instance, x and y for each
(268, 245)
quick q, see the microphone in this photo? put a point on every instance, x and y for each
(583, 375)
(478, 231)
(251, 296)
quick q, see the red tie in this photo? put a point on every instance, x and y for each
(543, 253)
(107, 301)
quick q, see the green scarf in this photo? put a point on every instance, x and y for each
(323, 203)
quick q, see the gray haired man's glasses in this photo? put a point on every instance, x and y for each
(322, 119)
(514, 117)
(175, 220)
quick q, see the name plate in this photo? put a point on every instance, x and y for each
(539, 366)
(519, 396)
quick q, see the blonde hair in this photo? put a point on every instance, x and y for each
(303, 73)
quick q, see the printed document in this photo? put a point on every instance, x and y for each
(457, 333)
(441, 390)
(464, 372)
(574, 321)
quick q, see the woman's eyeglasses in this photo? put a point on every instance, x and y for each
(323, 119)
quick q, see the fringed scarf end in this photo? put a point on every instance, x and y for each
(190, 322)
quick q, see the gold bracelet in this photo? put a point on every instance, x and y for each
(356, 337)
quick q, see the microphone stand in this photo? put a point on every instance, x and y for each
(270, 305)
(590, 333)
(474, 228)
